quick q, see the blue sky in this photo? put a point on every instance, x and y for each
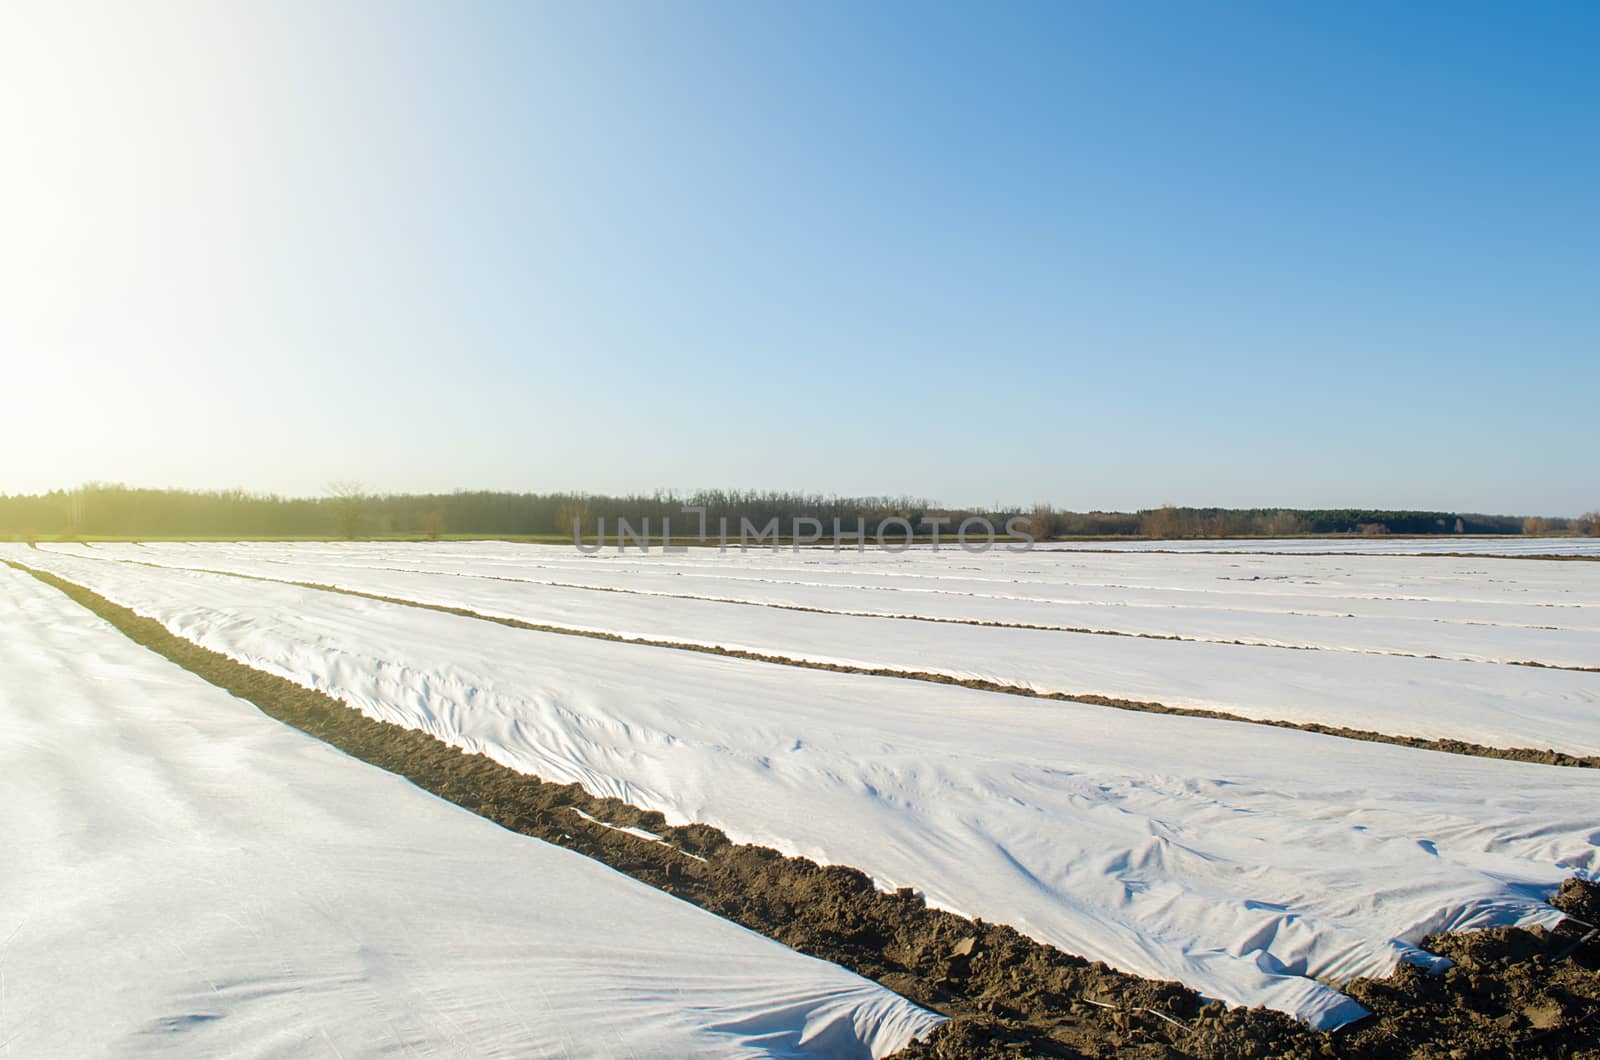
(1103, 255)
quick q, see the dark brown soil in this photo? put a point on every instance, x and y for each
(1513, 992)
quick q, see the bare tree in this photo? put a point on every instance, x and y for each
(573, 518)
(1042, 521)
(1533, 526)
(433, 524)
(1163, 522)
(74, 514)
(350, 505)
(1285, 524)
(1589, 523)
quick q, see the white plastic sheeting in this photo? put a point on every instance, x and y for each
(1452, 608)
(1431, 698)
(1490, 545)
(1249, 862)
(180, 875)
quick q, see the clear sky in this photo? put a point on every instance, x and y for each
(1099, 254)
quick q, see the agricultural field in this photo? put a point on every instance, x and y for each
(267, 895)
(1262, 770)
(1383, 545)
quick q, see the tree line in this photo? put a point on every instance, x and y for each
(1172, 522)
(350, 511)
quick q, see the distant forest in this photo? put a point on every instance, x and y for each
(351, 512)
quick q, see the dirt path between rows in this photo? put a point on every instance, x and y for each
(1534, 993)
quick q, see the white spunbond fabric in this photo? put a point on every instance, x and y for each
(1380, 546)
(1486, 704)
(183, 876)
(1245, 861)
(1420, 613)
(1278, 581)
